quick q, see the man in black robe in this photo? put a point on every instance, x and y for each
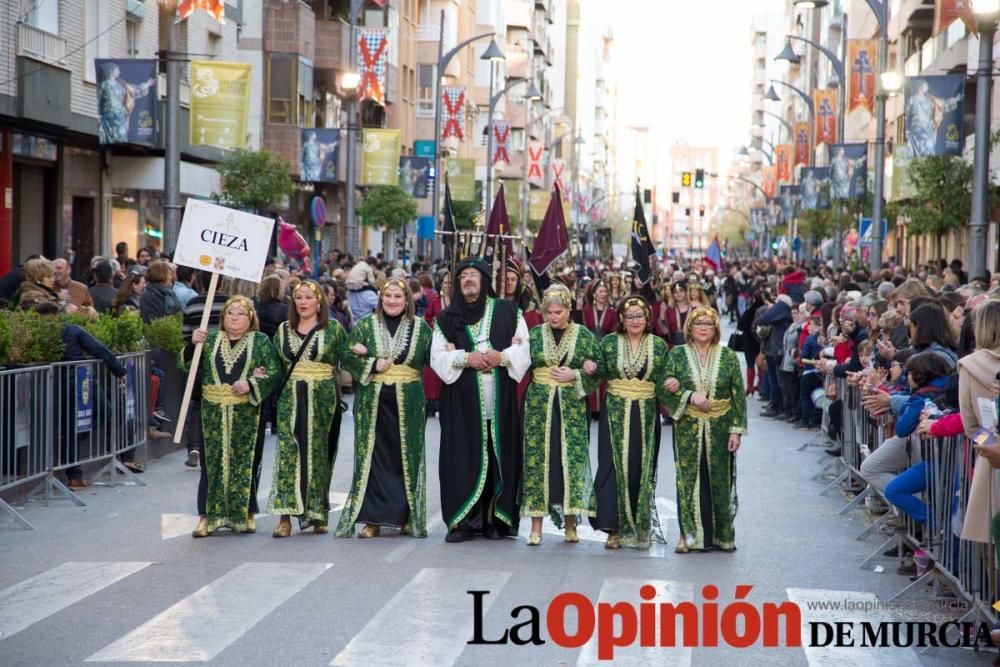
(480, 351)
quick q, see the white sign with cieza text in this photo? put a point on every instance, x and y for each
(223, 240)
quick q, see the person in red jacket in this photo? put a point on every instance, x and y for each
(793, 284)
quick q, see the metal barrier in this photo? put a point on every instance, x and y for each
(24, 431)
(967, 568)
(58, 417)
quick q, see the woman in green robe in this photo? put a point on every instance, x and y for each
(388, 351)
(705, 397)
(239, 369)
(308, 428)
(634, 363)
(557, 479)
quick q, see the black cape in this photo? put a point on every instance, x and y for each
(462, 468)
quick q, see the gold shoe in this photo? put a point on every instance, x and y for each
(613, 542)
(319, 528)
(251, 524)
(682, 547)
(369, 531)
(534, 539)
(202, 529)
(284, 529)
(571, 535)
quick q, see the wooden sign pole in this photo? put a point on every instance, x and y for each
(206, 316)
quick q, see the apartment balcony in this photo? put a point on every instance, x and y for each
(545, 7)
(291, 28)
(333, 45)
(284, 140)
(40, 45)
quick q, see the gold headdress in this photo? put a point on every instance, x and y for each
(701, 311)
(410, 309)
(557, 293)
(247, 304)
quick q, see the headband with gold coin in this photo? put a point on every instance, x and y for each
(701, 311)
(557, 293)
(313, 287)
(398, 282)
(636, 301)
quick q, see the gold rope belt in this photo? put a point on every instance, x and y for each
(397, 375)
(222, 394)
(716, 408)
(543, 375)
(633, 390)
(312, 371)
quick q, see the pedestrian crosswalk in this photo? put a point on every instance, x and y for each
(428, 620)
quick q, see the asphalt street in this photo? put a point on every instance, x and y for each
(121, 580)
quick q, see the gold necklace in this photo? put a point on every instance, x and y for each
(556, 353)
(632, 362)
(393, 346)
(231, 353)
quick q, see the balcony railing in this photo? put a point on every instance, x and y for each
(40, 45)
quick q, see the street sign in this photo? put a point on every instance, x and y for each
(865, 230)
(223, 240)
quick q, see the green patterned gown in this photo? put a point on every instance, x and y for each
(231, 425)
(706, 470)
(390, 417)
(629, 439)
(307, 446)
(557, 479)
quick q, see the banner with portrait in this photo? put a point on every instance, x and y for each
(414, 175)
(318, 155)
(848, 170)
(861, 54)
(380, 156)
(126, 101)
(814, 188)
(933, 114)
(800, 135)
(783, 162)
(220, 101)
(788, 200)
(758, 219)
(462, 178)
(825, 105)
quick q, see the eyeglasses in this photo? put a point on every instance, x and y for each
(703, 324)
(236, 313)
(634, 318)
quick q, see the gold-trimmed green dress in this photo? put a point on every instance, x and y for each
(231, 427)
(706, 469)
(557, 477)
(390, 479)
(628, 440)
(307, 430)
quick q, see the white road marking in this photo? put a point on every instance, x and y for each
(427, 622)
(203, 624)
(397, 554)
(627, 590)
(175, 525)
(854, 655)
(34, 599)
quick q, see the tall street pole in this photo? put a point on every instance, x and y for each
(172, 143)
(978, 226)
(488, 185)
(878, 199)
(351, 240)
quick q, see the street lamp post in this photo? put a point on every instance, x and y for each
(784, 123)
(351, 240)
(442, 64)
(531, 94)
(171, 134)
(880, 8)
(987, 12)
(575, 192)
(767, 231)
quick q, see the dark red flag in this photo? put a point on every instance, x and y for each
(498, 222)
(552, 240)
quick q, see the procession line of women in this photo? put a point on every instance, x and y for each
(699, 383)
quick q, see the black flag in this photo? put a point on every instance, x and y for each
(449, 219)
(642, 246)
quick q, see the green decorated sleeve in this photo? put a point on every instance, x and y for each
(360, 367)
(264, 356)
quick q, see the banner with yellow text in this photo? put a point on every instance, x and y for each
(462, 178)
(220, 99)
(380, 157)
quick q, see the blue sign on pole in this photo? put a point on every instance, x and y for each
(425, 228)
(423, 148)
(865, 231)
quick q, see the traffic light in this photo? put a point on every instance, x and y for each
(701, 211)
(685, 179)
(699, 178)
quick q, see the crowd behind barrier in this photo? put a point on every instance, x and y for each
(963, 568)
(64, 415)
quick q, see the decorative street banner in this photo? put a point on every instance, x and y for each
(423, 148)
(861, 58)
(758, 219)
(220, 96)
(512, 197)
(803, 147)
(126, 101)
(318, 160)
(558, 169)
(414, 175)
(814, 189)
(788, 199)
(934, 113)
(848, 170)
(380, 156)
(946, 11)
(84, 399)
(216, 8)
(462, 178)
(770, 183)
(783, 162)
(373, 46)
(453, 100)
(901, 187)
(223, 240)
(535, 176)
(538, 203)
(501, 137)
(825, 101)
